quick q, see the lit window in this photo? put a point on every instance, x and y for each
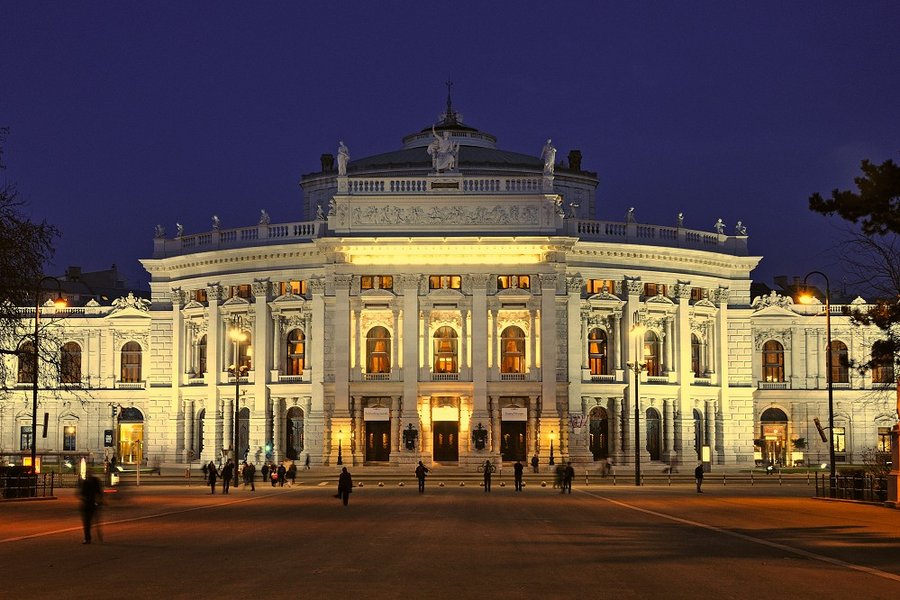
(884, 439)
(297, 288)
(512, 349)
(597, 351)
(773, 361)
(296, 353)
(697, 294)
(376, 282)
(598, 286)
(505, 282)
(449, 282)
(200, 295)
(445, 346)
(840, 440)
(69, 438)
(652, 354)
(131, 363)
(654, 289)
(378, 350)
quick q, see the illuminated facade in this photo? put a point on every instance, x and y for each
(452, 302)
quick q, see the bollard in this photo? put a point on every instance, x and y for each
(779, 477)
(669, 477)
(723, 480)
(614, 479)
(751, 477)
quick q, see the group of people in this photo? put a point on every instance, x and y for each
(565, 473)
(276, 475)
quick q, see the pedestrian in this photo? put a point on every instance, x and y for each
(273, 475)
(90, 495)
(212, 475)
(250, 475)
(568, 477)
(559, 473)
(292, 473)
(698, 476)
(517, 474)
(421, 472)
(227, 474)
(606, 467)
(488, 467)
(264, 471)
(306, 462)
(345, 486)
(534, 463)
(282, 472)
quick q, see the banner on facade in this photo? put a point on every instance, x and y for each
(512, 413)
(376, 414)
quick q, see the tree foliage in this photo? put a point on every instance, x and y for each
(875, 204)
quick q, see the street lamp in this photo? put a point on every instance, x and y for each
(552, 435)
(34, 364)
(340, 443)
(829, 378)
(237, 336)
(638, 367)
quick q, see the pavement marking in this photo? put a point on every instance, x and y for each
(131, 520)
(755, 540)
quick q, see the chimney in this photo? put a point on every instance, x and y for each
(327, 162)
(575, 160)
(73, 273)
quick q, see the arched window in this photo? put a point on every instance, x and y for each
(201, 356)
(654, 434)
(445, 347)
(773, 361)
(652, 354)
(26, 363)
(882, 363)
(131, 363)
(696, 355)
(296, 353)
(378, 350)
(840, 363)
(293, 432)
(512, 350)
(597, 351)
(70, 363)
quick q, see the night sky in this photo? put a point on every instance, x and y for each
(125, 115)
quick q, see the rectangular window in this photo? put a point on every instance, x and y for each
(448, 282)
(596, 286)
(654, 289)
(69, 438)
(376, 282)
(200, 295)
(840, 440)
(884, 439)
(25, 437)
(505, 282)
(297, 288)
(696, 294)
(243, 291)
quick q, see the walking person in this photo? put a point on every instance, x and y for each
(264, 471)
(534, 463)
(306, 462)
(559, 473)
(227, 474)
(517, 474)
(90, 496)
(212, 476)
(345, 486)
(281, 475)
(421, 472)
(568, 477)
(250, 476)
(488, 467)
(292, 473)
(698, 476)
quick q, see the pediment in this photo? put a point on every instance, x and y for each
(378, 294)
(514, 293)
(774, 311)
(236, 301)
(445, 294)
(192, 305)
(128, 311)
(289, 299)
(604, 295)
(659, 299)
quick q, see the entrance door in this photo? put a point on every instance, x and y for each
(512, 440)
(378, 440)
(446, 441)
(599, 434)
(654, 434)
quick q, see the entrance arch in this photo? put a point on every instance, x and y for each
(654, 434)
(294, 432)
(773, 426)
(599, 433)
(131, 435)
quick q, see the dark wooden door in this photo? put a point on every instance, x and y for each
(446, 441)
(378, 440)
(512, 440)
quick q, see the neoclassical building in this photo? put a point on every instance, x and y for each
(451, 301)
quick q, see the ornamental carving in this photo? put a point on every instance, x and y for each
(479, 280)
(131, 301)
(342, 281)
(574, 284)
(410, 280)
(261, 288)
(214, 292)
(373, 318)
(773, 299)
(635, 287)
(440, 318)
(317, 285)
(177, 297)
(440, 215)
(779, 335)
(720, 296)
(682, 290)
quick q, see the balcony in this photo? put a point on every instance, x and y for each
(513, 377)
(601, 378)
(131, 385)
(774, 385)
(376, 376)
(445, 376)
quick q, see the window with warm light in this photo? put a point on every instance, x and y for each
(652, 353)
(201, 356)
(376, 282)
(597, 351)
(840, 439)
(512, 350)
(773, 362)
(598, 286)
(697, 294)
(378, 350)
(25, 372)
(882, 363)
(505, 282)
(296, 352)
(445, 347)
(655, 289)
(444, 282)
(244, 351)
(840, 363)
(696, 355)
(131, 363)
(70, 363)
(69, 440)
(295, 287)
(200, 295)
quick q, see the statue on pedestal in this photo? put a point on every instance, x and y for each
(343, 157)
(548, 155)
(443, 151)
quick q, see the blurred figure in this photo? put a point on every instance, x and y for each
(227, 474)
(249, 476)
(212, 476)
(421, 472)
(90, 496)
(345, 486)
(517, 474)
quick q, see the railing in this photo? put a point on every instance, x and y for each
(512, 376)
(603, 378)
(702, 381)
(657, 379)
(656, 235)
(15, 485)
(290, 378)
(865, 488)
(445, 376)
(417, 185)
(377, 376)
(130, 385)
(255, 235)
(774, 385)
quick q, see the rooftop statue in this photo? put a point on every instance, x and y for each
(343, 157)
(179, 230)
(216, 223)
(443, 151)
(739, 229)
(159, 232)
(719, 227)
(548, 155)
(264, 218)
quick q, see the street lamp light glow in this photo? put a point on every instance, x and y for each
(829, 377)
(59, 302)
(638, 331)
(238, 336)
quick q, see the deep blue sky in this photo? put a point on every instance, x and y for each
(125, 115)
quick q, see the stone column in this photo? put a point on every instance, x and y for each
(531, 432)
(669, 430)
(357, 434)
(495, 425)
(340, 336)
(548, 349)
(262, 364)
(464, 342)
(480, 339)
(710, 417)
(228, 424)
(685, 375)
(396, 435)
(188, 428)
(277, 332)
(278, 429)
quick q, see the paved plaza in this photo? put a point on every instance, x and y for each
(602, 541)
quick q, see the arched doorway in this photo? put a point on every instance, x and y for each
(294, 430)
(243, 433)
(654, 434)
(599, 433)
(773, 425)
(131, 435)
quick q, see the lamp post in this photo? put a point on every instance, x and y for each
(340, 443)
(638, 367)
(829, 378)
(34, 364)
(552, 435)
(237, 336)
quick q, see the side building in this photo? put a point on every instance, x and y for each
(451, 302)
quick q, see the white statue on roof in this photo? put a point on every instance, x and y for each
(443, 151)
(343, 157)
(548, 155)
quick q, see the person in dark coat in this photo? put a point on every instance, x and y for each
(488, 467)
(212, 475)
(227, 474)
(292, 473)
(421, 472)
(281, 475)
(345, 486)
(568, 476)
(250, 476)
(534, 463)
(265, 470)
(698, 476)
(90, 496)
(517, 474)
